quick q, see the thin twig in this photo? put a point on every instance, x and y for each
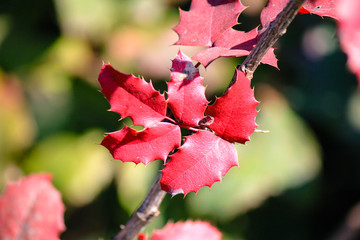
(144, 214)
(275, 30)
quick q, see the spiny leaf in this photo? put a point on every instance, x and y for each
(234, 113)
(206, 21)
(132, 97)
(150, 144)
(234, 44)
(349, 33)
(187, 98)
(189, 230)
(202, 160)
(31, 209)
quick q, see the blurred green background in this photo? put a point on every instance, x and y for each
(299, 181)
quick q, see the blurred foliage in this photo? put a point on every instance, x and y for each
(304, 172)
(81, 169)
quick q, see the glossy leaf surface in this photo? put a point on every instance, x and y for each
(234, 43)
(150, 144)
(31, 209)
(202, 160)
(234, 113)
(206, 21)
(187, 98)
(132, 97)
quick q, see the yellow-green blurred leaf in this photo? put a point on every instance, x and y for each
(16, 125)
(73, 56)
(133, 183)
(49, 92)
(17, 128)
(81, 167)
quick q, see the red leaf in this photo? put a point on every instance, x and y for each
(234, 44)
(206, 21)
(188, 230)
(187, 98)
(150, 144)
(31, 209)
(132, 97)
(318, 7)
(349, 33)
(202, 160)
(324, 8)
(234, 113)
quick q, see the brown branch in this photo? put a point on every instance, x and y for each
(275, 30)
(144, 214)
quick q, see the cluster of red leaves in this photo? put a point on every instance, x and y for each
(204, 157)
(31, 209)
(189, 230)
(207, 153)
(209, 23)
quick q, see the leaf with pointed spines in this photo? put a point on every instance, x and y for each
(206, 21)
(186, 99)
(132, 97)
(234, 113)
(201, 161)
(150, 144)
(31, 209)
(234, 43)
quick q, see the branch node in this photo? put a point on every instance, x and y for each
(245, 68)
(141, 216)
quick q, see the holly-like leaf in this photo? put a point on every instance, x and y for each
(31, 209)
(189, 230)
(318, 7)
(349, 33)
(202, 160)
(234, 113)
(206, 21)
(150, 144)
(187, 98)
(234, 44)
(132, 97)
